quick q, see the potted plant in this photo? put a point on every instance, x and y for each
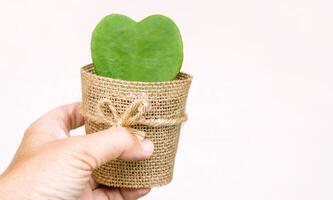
(135, 82)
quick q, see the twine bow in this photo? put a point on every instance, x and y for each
(133, 115)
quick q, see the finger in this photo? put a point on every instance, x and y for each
(114, 143)
(87, 194)
(106, 193)
(58, 122)
(93, 184)
(67, 117)
(130, 194)
(51, 126)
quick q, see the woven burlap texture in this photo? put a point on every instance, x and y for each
(154, 110)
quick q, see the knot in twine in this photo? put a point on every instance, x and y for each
(133, 115)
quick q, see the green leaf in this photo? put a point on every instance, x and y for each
(149, 50)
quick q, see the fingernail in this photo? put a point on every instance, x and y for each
(147, 146)
(143, 191)
(140, 137)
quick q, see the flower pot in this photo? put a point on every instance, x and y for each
(161, 105)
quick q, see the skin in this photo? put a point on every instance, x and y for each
(52, 165)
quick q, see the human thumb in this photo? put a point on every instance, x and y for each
(114, 143)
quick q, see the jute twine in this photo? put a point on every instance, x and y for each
(154, 110)
(132, 116)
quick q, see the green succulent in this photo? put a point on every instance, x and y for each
(150, 50)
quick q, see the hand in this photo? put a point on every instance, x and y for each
(50, 164)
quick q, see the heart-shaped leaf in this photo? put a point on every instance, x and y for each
(149, 50)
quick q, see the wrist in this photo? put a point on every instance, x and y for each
(3, 189)
(8, 190)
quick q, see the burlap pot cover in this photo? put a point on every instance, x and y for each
(110, 102)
